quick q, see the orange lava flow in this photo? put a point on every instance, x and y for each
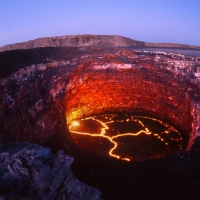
(144, 130)
(111, 139)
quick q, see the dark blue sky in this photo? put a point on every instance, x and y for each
(175, 21)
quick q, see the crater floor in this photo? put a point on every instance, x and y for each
(126, 137)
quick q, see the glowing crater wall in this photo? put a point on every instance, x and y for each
(94, 90)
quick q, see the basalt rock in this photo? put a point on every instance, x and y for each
(43, 89)
(29, 171)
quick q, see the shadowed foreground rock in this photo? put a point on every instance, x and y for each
(29, 171)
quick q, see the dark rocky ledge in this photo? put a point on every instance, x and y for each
(30, 171)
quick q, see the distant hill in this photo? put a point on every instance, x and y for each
(171, 45)
(90, 40)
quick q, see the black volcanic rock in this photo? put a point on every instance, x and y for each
(41, 81)
(29, 171)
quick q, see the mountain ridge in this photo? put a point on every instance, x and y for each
(90, 40)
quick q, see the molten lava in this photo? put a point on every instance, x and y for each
(119, 132)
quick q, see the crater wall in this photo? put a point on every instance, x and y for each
(120, 88)
(38, 101)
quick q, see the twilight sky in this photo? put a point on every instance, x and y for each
(175, 21)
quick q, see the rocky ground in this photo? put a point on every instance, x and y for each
(29, 171)
(34, 84)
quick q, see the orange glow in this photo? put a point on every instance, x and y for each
(112, 139)
(75, 123)
(102, 134)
